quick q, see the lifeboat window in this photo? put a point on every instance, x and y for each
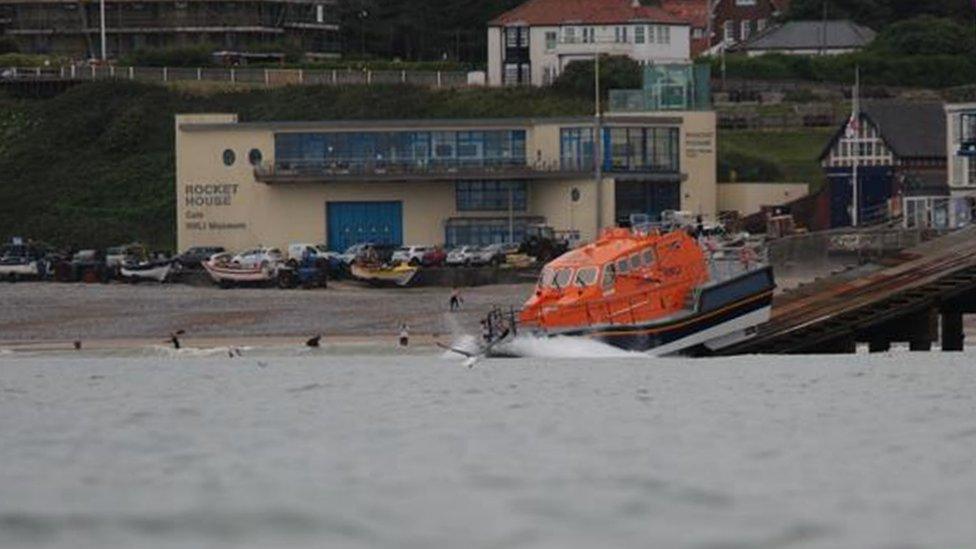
(635, 262)
(562, 278)
(545, 280)
(609, 276)
(586, 276)
(623, 266)
(648, 256)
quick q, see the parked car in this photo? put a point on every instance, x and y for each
(493, 254)
(412, 255)
(461, 255)
(352, 252)
(434, 257)
(258, 257)
(193, 257)
(117, 256)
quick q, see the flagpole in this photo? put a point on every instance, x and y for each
(856, 116)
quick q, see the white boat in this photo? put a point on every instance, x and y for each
(17, 270)
(154, 270)
(227, 273)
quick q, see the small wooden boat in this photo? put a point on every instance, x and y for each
(151, 270)
(226, 274)
(380, 275)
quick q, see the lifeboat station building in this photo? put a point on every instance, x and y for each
(450, 182)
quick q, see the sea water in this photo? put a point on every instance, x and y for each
(340, 448)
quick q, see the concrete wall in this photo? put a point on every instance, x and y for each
(749, 198)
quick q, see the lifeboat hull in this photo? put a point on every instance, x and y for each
(725, 313)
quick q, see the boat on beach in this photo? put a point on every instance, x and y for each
(14, 269)
(649, 290)
(384, 275)
(226, 273)
(158, 271)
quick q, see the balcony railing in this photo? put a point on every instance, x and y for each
(284, 171)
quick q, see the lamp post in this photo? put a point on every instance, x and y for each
(101, 16)
(597, 143)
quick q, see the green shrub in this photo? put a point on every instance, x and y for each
(925, 35)
(930, 71)
(616, 73)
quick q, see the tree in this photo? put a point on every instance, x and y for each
(925, 35)
(616, 72)
(876, 14)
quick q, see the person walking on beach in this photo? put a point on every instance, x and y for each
(404, 334)
(456, 300)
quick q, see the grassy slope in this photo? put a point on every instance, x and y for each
(793, 152)
(95, 166)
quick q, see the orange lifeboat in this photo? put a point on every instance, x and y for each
(651, 291)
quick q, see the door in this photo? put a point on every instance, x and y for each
(349, 223)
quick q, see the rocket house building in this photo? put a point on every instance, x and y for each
(451, 182)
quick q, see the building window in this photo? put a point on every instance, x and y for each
(254, 157)
(639, 34)
(745, 29)
(698, 33)
(355, 152)
(551, 41)
(576, 149)
(760, 25)
(620, 35)
(649, 149)
(589, 35)
(651, 32)
(485, 231)
(728, 32)
(664, 35)
(229, 157)
(972, 171)
(491, 196)
(569, 35)
(745, 2)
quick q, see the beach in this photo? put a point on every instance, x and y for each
(49, 315)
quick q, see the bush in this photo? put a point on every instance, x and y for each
(925, 35)
(930, 71)
(26, 60)
(616, 73)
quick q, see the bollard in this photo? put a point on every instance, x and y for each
(233, 76)
(132, 73)
(165, 74)
(199, 73)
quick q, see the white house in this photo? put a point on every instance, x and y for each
(534, 42)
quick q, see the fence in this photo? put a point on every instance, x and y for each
(254, 76)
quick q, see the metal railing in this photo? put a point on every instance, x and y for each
(306, 169)
(242, 75)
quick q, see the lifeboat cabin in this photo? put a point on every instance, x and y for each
(650, 291)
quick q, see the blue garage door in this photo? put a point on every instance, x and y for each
(351, 223)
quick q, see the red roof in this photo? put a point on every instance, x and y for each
(694, 12)
(591, 12)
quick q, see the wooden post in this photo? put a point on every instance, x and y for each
(199, 73)
(439, 82)
(165, 74)
(132, 73)
(233, 76)
(953, 337)
(335, 77)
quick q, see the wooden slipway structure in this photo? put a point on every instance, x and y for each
(924, 294)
